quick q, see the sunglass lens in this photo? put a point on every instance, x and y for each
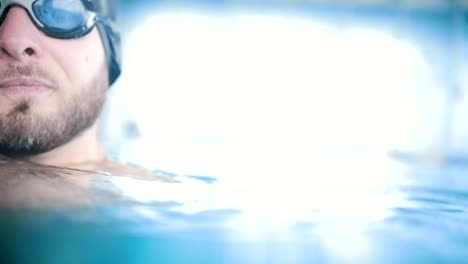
(60, 15)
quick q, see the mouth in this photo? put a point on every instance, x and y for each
(24, 87)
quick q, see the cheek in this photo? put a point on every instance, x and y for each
(80, 59)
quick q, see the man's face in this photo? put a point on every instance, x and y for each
(51, 89)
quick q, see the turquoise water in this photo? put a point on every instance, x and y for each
(423, 220)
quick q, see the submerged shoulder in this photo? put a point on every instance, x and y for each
(25, 184)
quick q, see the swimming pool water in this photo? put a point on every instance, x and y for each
(423, 220)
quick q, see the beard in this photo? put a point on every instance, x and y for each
(24, 132)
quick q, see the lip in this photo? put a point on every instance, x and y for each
(24, 86)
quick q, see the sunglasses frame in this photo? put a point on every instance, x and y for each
(91, 18)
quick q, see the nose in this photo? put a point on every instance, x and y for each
(18, 36)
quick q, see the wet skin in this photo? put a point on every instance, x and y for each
(25, 184)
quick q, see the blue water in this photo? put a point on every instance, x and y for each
(421, 218)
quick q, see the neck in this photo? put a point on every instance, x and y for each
(84, 148)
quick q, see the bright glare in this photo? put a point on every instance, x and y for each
(290, 113)
(266, 95)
